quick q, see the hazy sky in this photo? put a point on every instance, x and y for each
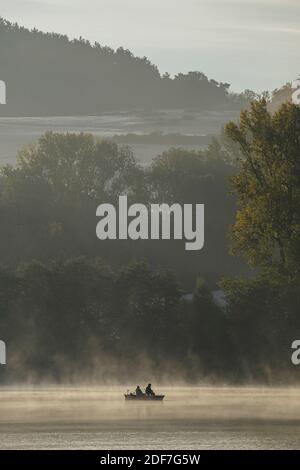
(248, 43)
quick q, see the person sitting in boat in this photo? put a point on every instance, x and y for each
(138, 391)
(149, 391)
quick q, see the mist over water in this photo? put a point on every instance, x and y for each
(82, 125)
(17, 132)
(189, 418)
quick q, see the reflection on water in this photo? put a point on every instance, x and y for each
(189, 418)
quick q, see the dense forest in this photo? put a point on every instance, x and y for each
(49, 202)
(48, 74)
(73, 307)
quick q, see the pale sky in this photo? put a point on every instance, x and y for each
(248, 43)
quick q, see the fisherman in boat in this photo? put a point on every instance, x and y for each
(149, 392)
(138, 391)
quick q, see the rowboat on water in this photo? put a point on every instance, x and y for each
(133, 396)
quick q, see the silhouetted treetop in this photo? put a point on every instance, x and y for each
(50, 74)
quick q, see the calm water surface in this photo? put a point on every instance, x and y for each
(189, 418)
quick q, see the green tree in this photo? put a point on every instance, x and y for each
(49, 199)
(267, 226)
(75, 168)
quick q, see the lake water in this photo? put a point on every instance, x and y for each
(16, 132)
(189, 418)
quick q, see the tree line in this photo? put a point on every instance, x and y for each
(72, 306)
(49, 74)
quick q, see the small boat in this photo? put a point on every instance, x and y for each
(133, 396)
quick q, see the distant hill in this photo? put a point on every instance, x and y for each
(48, 74)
